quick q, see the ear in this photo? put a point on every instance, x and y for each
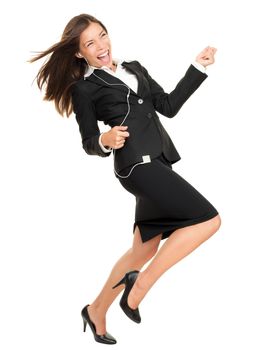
(79, 55)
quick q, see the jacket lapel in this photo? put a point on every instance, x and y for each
(133, 68)
(102, 77)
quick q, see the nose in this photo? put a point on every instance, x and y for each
(100, 46)
(101, 50)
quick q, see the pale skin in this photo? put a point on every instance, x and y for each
(95, 42)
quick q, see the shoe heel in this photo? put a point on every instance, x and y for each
(84, 325)
(119, 283)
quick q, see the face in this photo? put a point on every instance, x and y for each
(95, 46)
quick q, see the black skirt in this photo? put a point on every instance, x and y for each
(164, 200)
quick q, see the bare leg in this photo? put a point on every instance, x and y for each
(180, 243)
(133, 259)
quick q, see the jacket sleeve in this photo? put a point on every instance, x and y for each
(85, 113)
(169, 104)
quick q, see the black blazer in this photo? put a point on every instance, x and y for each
(94, 100)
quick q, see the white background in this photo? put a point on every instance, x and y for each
(65, 218)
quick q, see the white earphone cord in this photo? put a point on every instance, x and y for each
(145, 160)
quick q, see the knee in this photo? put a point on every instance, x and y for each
(150, 253)
(143, 255)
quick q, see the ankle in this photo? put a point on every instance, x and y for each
(97, 309)
(138, 291)
(143, 280)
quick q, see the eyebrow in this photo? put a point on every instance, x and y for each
(92, 39)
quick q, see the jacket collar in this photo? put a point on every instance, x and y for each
(102, 73)
(90, 69)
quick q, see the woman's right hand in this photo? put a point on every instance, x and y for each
(115, 138)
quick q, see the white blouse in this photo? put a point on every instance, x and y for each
(129, 79)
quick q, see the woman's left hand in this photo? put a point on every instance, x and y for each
(206, 57)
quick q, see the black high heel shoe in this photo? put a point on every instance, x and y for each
(129, 280)
(106, 338)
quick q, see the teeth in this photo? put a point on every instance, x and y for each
(105, 54)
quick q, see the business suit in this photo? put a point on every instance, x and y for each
(93, 99)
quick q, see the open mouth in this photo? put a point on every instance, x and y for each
(104, 57)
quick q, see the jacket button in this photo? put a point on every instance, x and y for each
(140, 101)
(149, 115)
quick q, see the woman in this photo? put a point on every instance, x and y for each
(82, 76)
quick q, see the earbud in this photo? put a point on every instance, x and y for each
(79, 55)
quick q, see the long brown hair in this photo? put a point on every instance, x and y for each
(63, 68)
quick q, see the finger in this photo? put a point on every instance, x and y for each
(205, 58)
(121, 143)
(213, 50)
(204, 51)
(124, 134)
(121, 127)
(119, 138)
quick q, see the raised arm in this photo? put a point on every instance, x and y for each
(169, 104)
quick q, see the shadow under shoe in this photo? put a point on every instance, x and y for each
(129, 280)
(106, 338)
